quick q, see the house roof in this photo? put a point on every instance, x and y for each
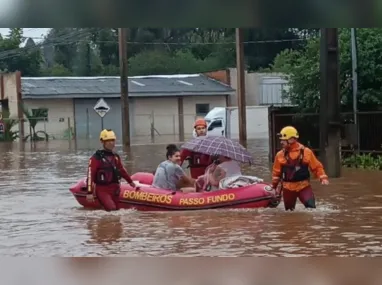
(139, 86)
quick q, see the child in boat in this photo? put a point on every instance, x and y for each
(170, 175)
(223, 167)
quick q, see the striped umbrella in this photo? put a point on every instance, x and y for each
(219, 146)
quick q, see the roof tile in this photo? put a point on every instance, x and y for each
(71, 87)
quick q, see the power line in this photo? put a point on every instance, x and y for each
(195, 43)
(60, 40)
(65, 41)
(77, 36)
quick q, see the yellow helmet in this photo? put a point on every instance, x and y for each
(107, 135)
(288, 132)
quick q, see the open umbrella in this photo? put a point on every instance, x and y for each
(219, 146)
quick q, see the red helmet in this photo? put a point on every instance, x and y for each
(200, 122)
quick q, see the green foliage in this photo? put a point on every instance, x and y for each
(35, 116)
(12, 58)
(363, 161)
(163, 62)
(163, 50)
(303, 70)
(9, 124)
(95, 51)
(57, 70)
(69, 133)
(9, 135)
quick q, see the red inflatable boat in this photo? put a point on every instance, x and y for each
(148, 198)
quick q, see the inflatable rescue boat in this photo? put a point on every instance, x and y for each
(148, 198)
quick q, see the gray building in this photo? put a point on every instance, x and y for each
(163, 104)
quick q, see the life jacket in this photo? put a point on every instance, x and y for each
(295, 170)
(199, 160)
(107, 172)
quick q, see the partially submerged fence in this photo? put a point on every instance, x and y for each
(363, 137)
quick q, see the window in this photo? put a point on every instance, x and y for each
(215, 124)
(40, 114)
(202, 109)
(4, 107)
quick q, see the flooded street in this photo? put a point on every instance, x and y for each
(40, 217)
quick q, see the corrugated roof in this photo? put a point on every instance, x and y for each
(91, 87)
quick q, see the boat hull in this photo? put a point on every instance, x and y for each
(148, 198)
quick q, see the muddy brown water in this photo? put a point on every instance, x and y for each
(39, 216)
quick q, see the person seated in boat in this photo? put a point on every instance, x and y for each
(197, 162)
(223, 167)
(170, 175)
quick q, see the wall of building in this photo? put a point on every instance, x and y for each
(8, 89)
(189, 106)
(89, 123)
(161, 113)
(220, 75)
(60, 115)
(260, 88)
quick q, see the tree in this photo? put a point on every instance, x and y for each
(88, 62)
(208, 47)
(57, 70)
(26, 59)
(9, 123)
(302, 68)
(65, 43)
(163, 62)
(35, 116)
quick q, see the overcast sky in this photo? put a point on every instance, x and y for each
(29, 32)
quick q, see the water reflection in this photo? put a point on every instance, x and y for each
(39, 217)
(105, 230)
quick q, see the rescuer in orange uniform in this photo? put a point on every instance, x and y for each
(104, 173)
(197, 162)
(291, 168)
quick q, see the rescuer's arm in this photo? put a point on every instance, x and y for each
(217, 174)
(184, 154)
(182, 177)
(316, 167)
(123, 171)
(276, 171)
(92, 172)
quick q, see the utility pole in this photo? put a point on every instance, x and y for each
(88, 60)
(241, 104)
(122, 39)
(330, 107)
(355, 82)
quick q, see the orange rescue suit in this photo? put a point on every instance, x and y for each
(296, 152)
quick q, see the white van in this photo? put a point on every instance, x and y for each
(224, 121)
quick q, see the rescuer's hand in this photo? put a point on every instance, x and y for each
(132, 184)
(325, 182)
(277, 188)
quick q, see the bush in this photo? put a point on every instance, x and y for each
(363, 161)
